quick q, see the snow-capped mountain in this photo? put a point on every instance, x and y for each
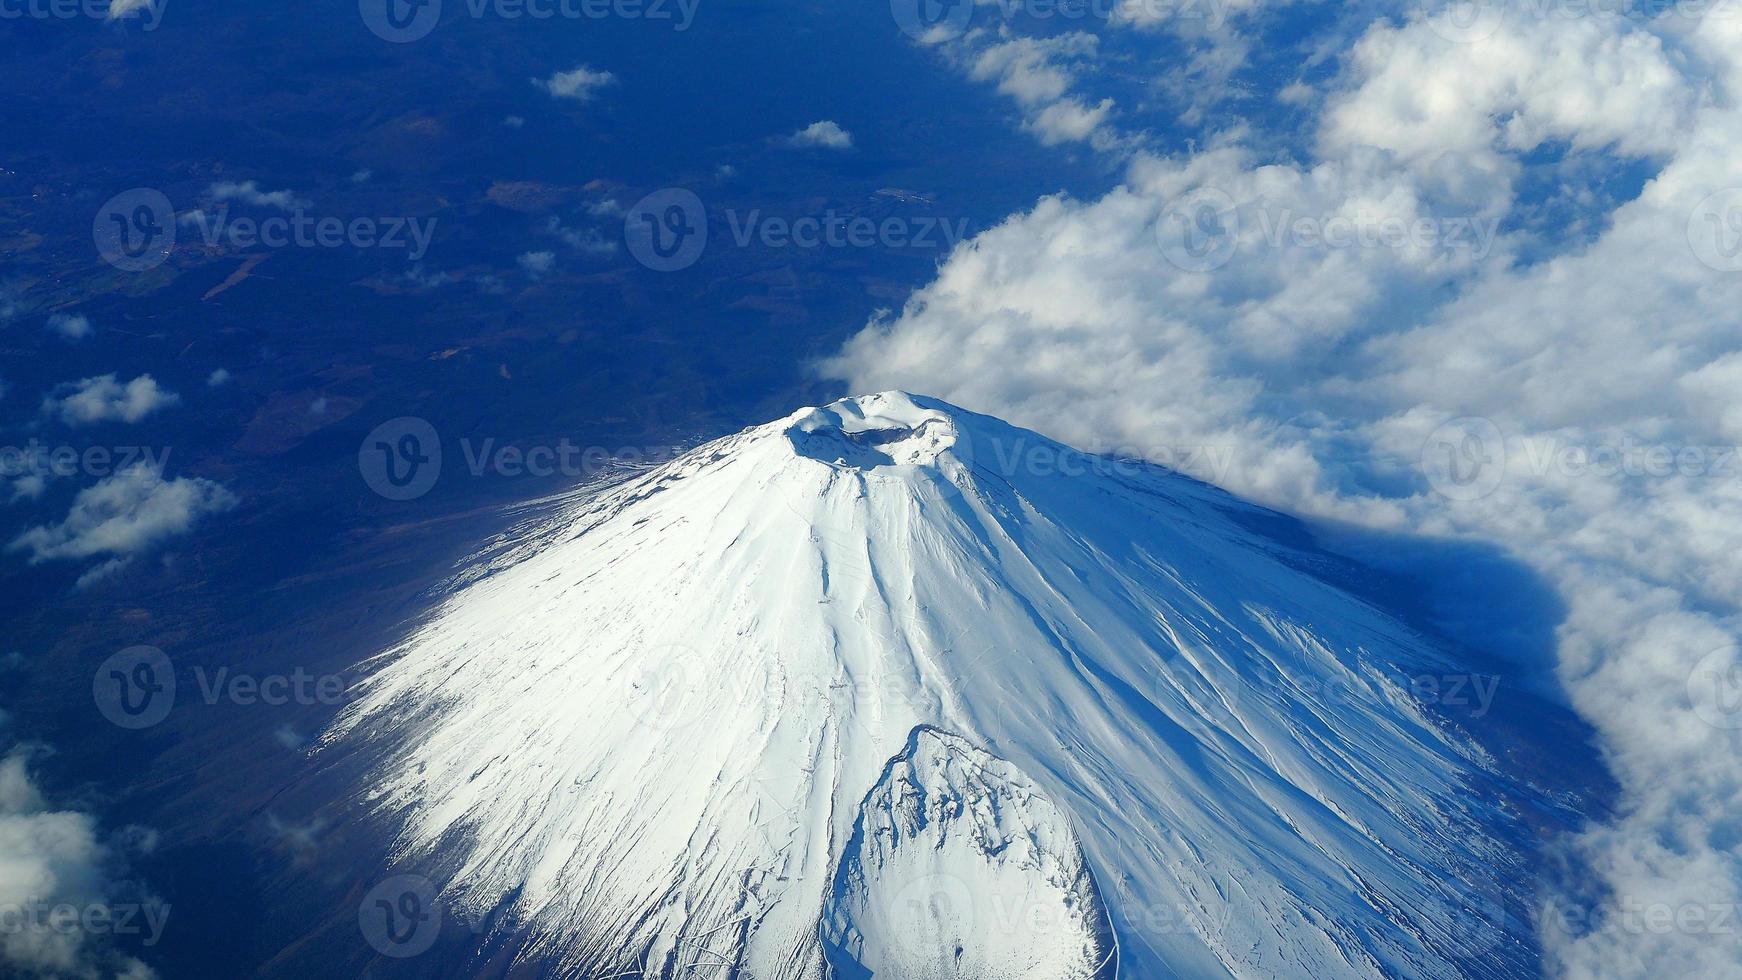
(890, 689)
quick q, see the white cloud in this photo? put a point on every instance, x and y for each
(51, 857)
(1040, 74)
(72, 326)
(125, 514)
(1590, 81)
(119, 9)
(536, 264)
(1068, 120)
(586, 240)
(103, 399)
(218, 378)
(825, 133)
(1199, 305)
(580, 84)
(1034, 71)
(248, 192)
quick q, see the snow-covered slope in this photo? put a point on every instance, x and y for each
(890, 689)
(959, 867)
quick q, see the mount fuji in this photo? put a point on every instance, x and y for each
(890, 689)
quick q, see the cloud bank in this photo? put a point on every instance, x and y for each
(58, 889)
(1446, 319)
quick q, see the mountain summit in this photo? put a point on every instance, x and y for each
(891, 689)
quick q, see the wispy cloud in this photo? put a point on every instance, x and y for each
(536, 264)
(125, 514)
(248, 192)
(71, 326)
(579, 84)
